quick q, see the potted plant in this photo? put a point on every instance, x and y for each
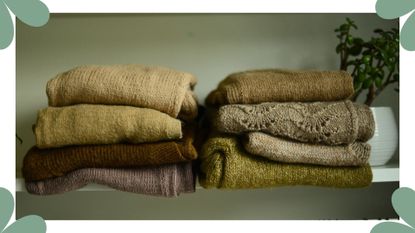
(373, 64)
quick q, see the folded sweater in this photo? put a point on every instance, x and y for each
(159, 88)
(103, 124)
(40, 164)
(288, 151)
(165, 180)
(277, 85)
(225, 165)
(331, 123)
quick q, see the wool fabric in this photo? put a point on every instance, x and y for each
(155, 87)
(288, 151)
(103, 124)
(40, 164)
(276, 85)
(165, 180)
(331, 123)
(225, 165)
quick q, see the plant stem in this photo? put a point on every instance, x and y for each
(371, 95)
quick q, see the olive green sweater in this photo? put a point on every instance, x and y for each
(225, 164)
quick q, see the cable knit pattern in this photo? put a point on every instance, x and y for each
(275, 85)
(153, 87)
(225, 164)
(287, 151)
(103, 124)
(331, 123)
(164, 180)
(40, 164)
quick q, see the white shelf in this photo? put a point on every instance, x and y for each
(386, 173)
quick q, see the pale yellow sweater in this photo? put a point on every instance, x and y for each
(103, 124)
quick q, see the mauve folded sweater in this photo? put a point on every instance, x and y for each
(165, 180)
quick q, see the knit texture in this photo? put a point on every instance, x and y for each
(103, 124)
(275, 85)
(159, 88)
(164, 180)
(331, 123)
(225, 164)
(282, 150)
(40, 164)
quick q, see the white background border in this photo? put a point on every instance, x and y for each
(8, 95)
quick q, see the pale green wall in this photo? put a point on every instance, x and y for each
(208, 45)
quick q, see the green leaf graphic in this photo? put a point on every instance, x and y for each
(6, 27)
(391, 9)
(403, 201)
(6, 207)
(31, 12)
(29, 224)
(408, 33)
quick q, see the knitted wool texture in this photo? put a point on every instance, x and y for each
(159, 88)
(225, 164)
(41, 164)
(281, 86)
(164, 180)
(279, 149)
(103, 124)
(331, 123)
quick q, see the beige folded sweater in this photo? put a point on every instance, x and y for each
(282, 150)
(159, 88)
(331, 123)
(275, 85)
(103, 124)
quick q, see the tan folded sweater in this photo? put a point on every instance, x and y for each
(331, 123)
(287, 151)
(103, 124)
(275, 85)
(225, 164)
(159, 88)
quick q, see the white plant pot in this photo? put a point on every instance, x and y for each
(385, 139)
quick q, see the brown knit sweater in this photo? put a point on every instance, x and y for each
(159, 88)
(331, 123)
(274, 85)
(40, 164)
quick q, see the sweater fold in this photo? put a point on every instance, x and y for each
(331, 123)
(278, 85)
(165, 180)
(87, 124)
(155, 87)
(225, 165)
(288, 151)
(40, 164)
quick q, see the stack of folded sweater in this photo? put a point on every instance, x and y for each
(280, 127)
(125, 126)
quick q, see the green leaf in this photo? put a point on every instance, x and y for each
(378, 82)
(366, 59)
(366, 84)
(355, 50)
